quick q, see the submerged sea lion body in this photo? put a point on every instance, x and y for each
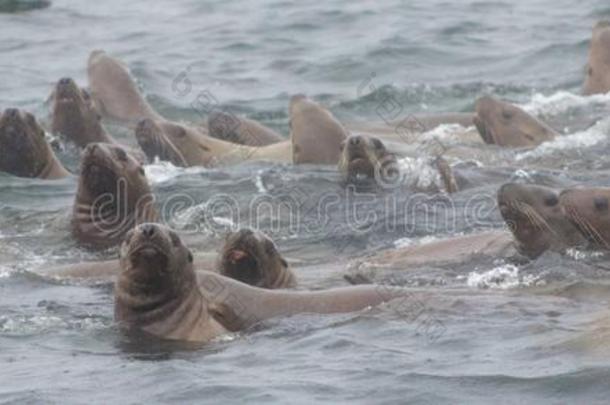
(597, 78)
(315, 133)
(113, 196)
(24, 151)
(252, 258)
(114, 90)
(74, 115)
(159, 293)
(504, 124)
(231, 128)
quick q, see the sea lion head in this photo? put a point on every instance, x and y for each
(105, 166)
(75, 115)
(536, 219)
(363, 157)
(188, 143)
(157, 290)
(588, 209)
(316, 135)
(113, 196)
(154, 143)
(251, 257)
(24, 151)
(504, 124)
(597, 79)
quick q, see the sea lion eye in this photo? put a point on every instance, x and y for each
(121, 154)
(601, 203)
(181, 132)
(507, 114)
(551, 201)
(377, 143)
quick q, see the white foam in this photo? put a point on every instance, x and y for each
(420, 173)
(161, 171)
(562, 101)
(582, 139)
(258, 182)
(502, 277)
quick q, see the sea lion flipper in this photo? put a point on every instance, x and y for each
(227, 317)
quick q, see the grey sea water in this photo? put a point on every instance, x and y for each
(492, 331)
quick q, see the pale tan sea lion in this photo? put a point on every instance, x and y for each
(597, 78)
(251, 257)
(588, 209)
(74, 115)
(192, 146)
(241, 130)
(504, 124)
(159, 293)
(113, 196)
(24, 151)
(315, 133)
(536, 219)
(114, 90)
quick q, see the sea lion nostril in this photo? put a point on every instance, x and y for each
(148, 230)
(601, 203)
(11, 112)
(354, 141)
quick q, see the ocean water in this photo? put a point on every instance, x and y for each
(491, 331)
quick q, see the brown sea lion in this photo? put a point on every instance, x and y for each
(158, 292)
(315, 133)
(504, 124)
(588, 209)
(113, 196)
(74, 115)
(24, 151)
(364, 158)
(241, 130)
(155, 144)
(252, 258)
(597, 78)
(536, 219)
(114, 90)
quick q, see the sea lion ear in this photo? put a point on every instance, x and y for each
(190, 256)
(284, 262)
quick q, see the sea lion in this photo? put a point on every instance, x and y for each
(24, 151)
(365, 158)
(536, 219)
(114, 90)
(241, 130)
(588, 210)
(252, 258)
(74, 115)
(504, 124)
(597, 78)
(113, 196)
(159, 293)
(315, 133)
(155, 144)
(190, 146)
